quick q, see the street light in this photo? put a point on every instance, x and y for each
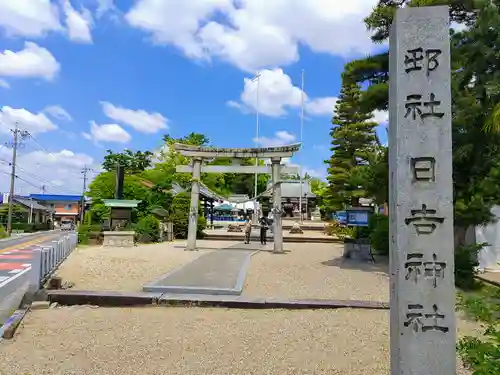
(256, 79)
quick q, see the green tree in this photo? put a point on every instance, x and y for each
(18, 213)
(374, 177)
(353, 139)
(103, 187)
(475, 100)
(133, 162)
(222, 183)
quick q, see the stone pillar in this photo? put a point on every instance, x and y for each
(277, 214)
(195, 198)
(422, 303)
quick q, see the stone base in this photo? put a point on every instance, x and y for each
(357, 250)
(234, 228)
(119, 239)
(296, 229)
(493, 269)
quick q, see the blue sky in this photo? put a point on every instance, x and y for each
(90, 75)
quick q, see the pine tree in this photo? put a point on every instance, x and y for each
(475, 102)
(353, 138)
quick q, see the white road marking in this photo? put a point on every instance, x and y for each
(3, 278)
(16, 276)
(26, 264)
(17, 270)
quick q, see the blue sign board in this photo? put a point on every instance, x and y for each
(341, 216)
(358, 218)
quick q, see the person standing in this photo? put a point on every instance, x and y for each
(247, 229)
(264, 226)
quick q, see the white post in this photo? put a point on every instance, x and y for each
(301, 140)
(255, 215)
(36, 270)
(422, 303)
(193, 212)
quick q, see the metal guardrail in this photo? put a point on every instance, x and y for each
(48, 256)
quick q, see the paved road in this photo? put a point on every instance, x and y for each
(16, 253)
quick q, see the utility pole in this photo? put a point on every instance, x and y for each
(18, 134)
(85, 170)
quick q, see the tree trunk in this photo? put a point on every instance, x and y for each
(459, 236)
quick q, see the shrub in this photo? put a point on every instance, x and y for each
(362, 232)
(483, 357)
(41, 226)
(202, 225)
(86, 232)
(23, 227)
(180, 216)
(379, 233)
(340, 231)
(148, 229)
(466, 262)
(87, 218)
(3, 232)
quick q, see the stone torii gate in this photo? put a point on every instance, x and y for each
(198, 154)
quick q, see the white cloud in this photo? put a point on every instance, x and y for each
(458, 27)
(381, 117)
(4, 84)
(104, 7)
(175, 22)
(255, 33)
(32, 61)
(33, 122)
(277, 94)
(58, 112)
(107, 133)
(39, 168)
(280, 138)
(86, 136)
(320, 173)
(321, 106)
(140, 120)
(28, 18)
(78, 23)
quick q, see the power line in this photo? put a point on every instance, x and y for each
(51, 155)
(42, 187)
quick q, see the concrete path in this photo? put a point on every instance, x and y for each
(221, 272)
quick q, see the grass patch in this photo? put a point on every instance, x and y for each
(482, 355)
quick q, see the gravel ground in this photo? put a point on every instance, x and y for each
(122, 269)
(316, 271)
(159, 341)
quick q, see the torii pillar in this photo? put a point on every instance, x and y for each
(277, 212)
(195, 199)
